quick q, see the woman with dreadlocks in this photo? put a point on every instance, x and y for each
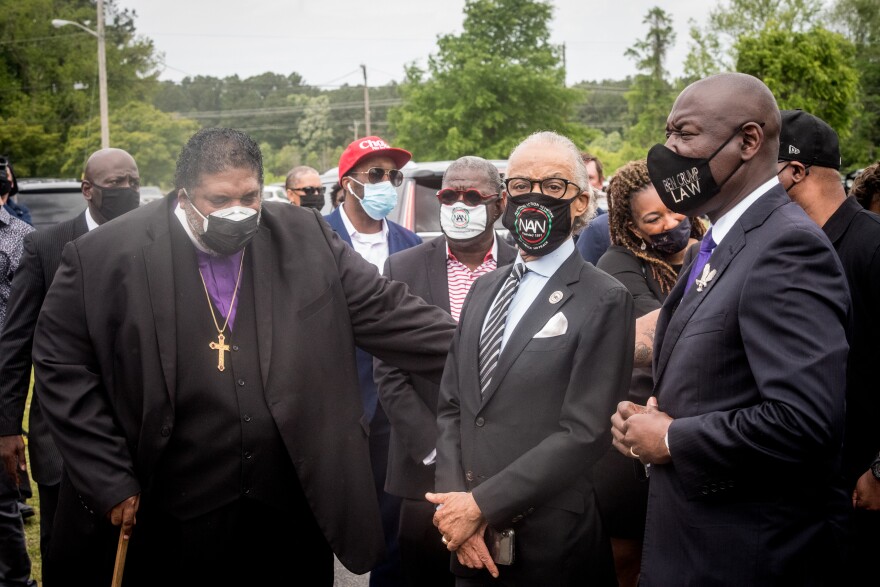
(648, 243)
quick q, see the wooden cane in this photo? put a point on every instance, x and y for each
(119, 567)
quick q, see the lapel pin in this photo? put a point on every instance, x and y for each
(555, 297)
(704, 279)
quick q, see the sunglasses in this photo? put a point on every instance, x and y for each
(310, 191)
(471, 196)
(377, 174)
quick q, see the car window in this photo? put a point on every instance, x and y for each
(50, 201)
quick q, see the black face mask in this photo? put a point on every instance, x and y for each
(673, 240)
(227, 231)
(316, 201)
(5, 185)
(117, 201)
(685, 183)
(538, 223)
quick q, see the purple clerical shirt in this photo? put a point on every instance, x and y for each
(220, 275)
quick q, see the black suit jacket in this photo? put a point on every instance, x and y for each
(409, 400)
(753, 371)
(526, 448)
(39, 261)
(105, 352)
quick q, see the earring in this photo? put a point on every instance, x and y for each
(643, 246)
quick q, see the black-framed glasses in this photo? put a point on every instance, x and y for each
(311, 191)
(555, 187)
(470, 196)
(377, 174)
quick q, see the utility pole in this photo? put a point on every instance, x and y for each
(102, 79)
(356, 135)
(564, 71)
(366, 102)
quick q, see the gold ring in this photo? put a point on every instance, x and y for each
(444, 541)
(632, 453)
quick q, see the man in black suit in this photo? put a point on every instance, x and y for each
(749, 362)
(110, 187)
(809, 163)
(441, 272)
(197, 365)
(531, 368)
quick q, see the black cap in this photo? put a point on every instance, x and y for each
(808, 139)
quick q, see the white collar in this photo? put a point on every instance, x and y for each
(353, 232)
(547, 265)
(722, 226)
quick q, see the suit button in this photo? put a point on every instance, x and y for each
(246, 418)
(166, 431)
(530, 511)
(469, 475)
(235, 347)
(247, 490)
(241, 382)
(516, 519)
(248, 455)
(480, 421)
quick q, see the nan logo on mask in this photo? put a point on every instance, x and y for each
(533, 224)
(460, 217)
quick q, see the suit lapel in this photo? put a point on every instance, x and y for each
(334, 219)
(261, 254)
(537, 315)
(438, 276)
(160, 283)
(733, 243)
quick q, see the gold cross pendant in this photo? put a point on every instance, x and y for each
(220, 347)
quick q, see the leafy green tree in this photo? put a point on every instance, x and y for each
(859, 21)
(153, 138)
(812, 70)
(713, 48)
(49, 76)
(488, 87)
(651, 95)
(603, 105)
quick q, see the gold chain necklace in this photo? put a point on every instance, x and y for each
(220, 346)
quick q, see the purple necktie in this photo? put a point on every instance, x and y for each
(706, 248)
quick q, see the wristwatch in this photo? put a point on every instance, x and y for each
(875, 467)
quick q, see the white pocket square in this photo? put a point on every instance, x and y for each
(556, 326)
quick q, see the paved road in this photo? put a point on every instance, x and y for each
(344, 578)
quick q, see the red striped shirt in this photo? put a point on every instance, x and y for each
(461, 278)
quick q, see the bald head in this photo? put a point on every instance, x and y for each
(110, 184)
(733, 119)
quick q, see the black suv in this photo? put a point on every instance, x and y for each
(50, 200)
(417, 206)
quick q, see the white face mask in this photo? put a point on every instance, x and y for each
(460, 221)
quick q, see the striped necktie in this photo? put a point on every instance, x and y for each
(490, 339)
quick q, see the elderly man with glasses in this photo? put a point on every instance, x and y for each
(543, 349)
(370, 172)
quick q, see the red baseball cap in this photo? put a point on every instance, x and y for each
(366, 147)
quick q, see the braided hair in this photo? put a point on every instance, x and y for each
(629, 180)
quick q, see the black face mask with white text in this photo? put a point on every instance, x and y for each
(538, 223)
(685, 183)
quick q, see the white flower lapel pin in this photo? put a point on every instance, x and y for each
(706, 277)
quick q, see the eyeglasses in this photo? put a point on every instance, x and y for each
(377, 174)
(470, 196)
(310, 191)
(552, 186)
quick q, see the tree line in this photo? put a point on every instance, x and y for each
(481, 92)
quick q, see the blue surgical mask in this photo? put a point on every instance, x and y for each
(379, 198)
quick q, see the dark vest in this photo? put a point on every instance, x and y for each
(225, 444)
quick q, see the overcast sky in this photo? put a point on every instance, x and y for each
(325, 41)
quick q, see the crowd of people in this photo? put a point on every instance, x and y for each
(668, 382)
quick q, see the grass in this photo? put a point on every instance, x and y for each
(32, 525)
